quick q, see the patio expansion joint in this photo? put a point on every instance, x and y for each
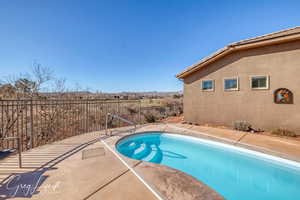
(242, 137)
(111, 181)
(106, 184)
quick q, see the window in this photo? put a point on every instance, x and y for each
(260, 82)
(231, 84)
(207, 85)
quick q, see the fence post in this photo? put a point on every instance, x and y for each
(87, 116)
(2, 125)
(140, 108)
(118, 111)
(31, 124)
(106, 121)
(19, 151)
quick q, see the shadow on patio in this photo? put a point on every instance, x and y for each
(25, 182)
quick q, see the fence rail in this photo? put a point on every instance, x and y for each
(38, 122)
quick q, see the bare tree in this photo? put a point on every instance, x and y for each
(27, 84)
(21, 86)
(41, 75)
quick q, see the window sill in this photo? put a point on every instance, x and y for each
(231, 90)
(260, 88)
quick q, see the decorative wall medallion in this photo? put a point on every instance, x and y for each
(283, 96)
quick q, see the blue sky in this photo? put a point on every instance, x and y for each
(129, 45)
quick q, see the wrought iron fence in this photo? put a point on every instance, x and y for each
(38, 122)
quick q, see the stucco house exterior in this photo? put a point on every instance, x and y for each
(256, 80)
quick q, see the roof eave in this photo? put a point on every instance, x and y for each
(205, 61)
(234, 47)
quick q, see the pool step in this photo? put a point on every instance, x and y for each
(155, 155)
(130, 148)
(142, 151)
(152, 154)
(133, 145)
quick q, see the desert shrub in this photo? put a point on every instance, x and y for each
(180, 109)
(132, 111)
(161, 110)
(242, 126)
(173, 114)
(170, 105)
(283, 132)
(150, 117)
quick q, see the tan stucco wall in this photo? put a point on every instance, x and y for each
(280, 62)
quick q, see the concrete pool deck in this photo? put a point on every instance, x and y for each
(58, 170)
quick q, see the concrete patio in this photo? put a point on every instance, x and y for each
(58, 170)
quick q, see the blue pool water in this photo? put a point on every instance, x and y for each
(235, 173)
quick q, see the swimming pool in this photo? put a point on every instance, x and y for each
(236, 173)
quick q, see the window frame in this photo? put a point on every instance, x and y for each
(208, 90)
(259, 76)
(232, 89)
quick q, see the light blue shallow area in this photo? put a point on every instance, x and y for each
(234, 174)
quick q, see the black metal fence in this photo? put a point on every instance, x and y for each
(38, 122)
